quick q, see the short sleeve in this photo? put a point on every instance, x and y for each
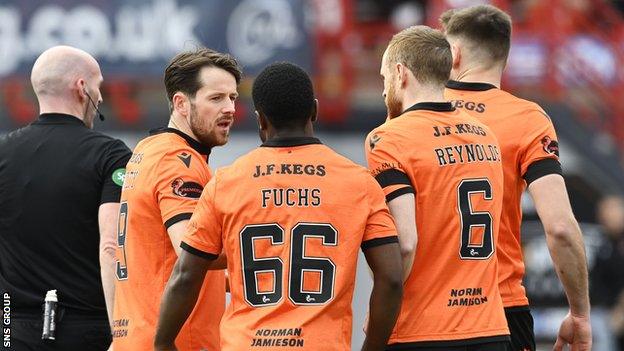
(204, 236)
(539, 155)
(180, 183)
(380, 227)
(384, 164)
(116, 158)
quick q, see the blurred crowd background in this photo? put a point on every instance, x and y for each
(567, 55)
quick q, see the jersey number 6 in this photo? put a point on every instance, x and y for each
(299, 264)
(470, 219)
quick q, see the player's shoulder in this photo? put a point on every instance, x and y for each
(391, 131)
(474, 121)
(528, 108)
(345, 171)
(240, 167)
(167, 147)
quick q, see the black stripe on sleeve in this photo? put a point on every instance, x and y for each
(177, 218)
(393, 195)
(392, 177)
(379, 241)
(542, 168)
(188, 248)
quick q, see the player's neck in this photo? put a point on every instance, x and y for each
(423, 94)
(480, 75)
(298, 132)
(179, 123)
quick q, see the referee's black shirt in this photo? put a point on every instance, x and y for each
(54, 174)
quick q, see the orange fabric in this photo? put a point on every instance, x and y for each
(524, 131)
(345, 207)
(452, 291)
(159, 186)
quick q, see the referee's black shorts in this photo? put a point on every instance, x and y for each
(520, 324)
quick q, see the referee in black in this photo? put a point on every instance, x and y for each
(60, 184)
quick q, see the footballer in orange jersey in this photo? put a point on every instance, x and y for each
(480, 37)
(442, 175)
(291, 216)
(167, 174)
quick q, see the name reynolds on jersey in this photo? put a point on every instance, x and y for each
(467, 153)
(290, 337)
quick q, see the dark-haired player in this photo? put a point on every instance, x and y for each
(291, 217)
(165, 178)
(481, 37)
(441, 172)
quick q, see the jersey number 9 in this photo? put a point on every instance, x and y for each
(121, 270)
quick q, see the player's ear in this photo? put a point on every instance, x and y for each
(262, 121)
(401, 74)
(456, 52)
(314, 111)
(181, 104)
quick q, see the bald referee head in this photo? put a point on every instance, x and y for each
(67, 80)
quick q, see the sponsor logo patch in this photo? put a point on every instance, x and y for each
(118, 176)
(190, 190)
(550, 146)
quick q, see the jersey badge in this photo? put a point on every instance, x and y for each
(550, 146)
(118, 176)
(190, 190)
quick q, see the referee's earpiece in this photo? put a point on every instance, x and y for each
(100, 115)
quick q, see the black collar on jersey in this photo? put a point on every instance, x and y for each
(58, 118)
(290, 141)
(472, 86)
(432, 106)
(199, 147)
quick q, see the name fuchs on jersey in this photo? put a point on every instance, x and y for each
(276, 337)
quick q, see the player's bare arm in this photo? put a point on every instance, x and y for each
(179, 298)
(385, 299)
(403, 209)
(176, 233)
(565, 243)
(107, 218)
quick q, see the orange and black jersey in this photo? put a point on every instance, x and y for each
(291, 217)
(529, 150)
(165, 177)
(452, 163)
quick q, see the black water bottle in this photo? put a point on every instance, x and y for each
(49, 316)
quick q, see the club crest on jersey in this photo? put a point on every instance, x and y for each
(550, 146)
(190, 190)
(374, 139)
